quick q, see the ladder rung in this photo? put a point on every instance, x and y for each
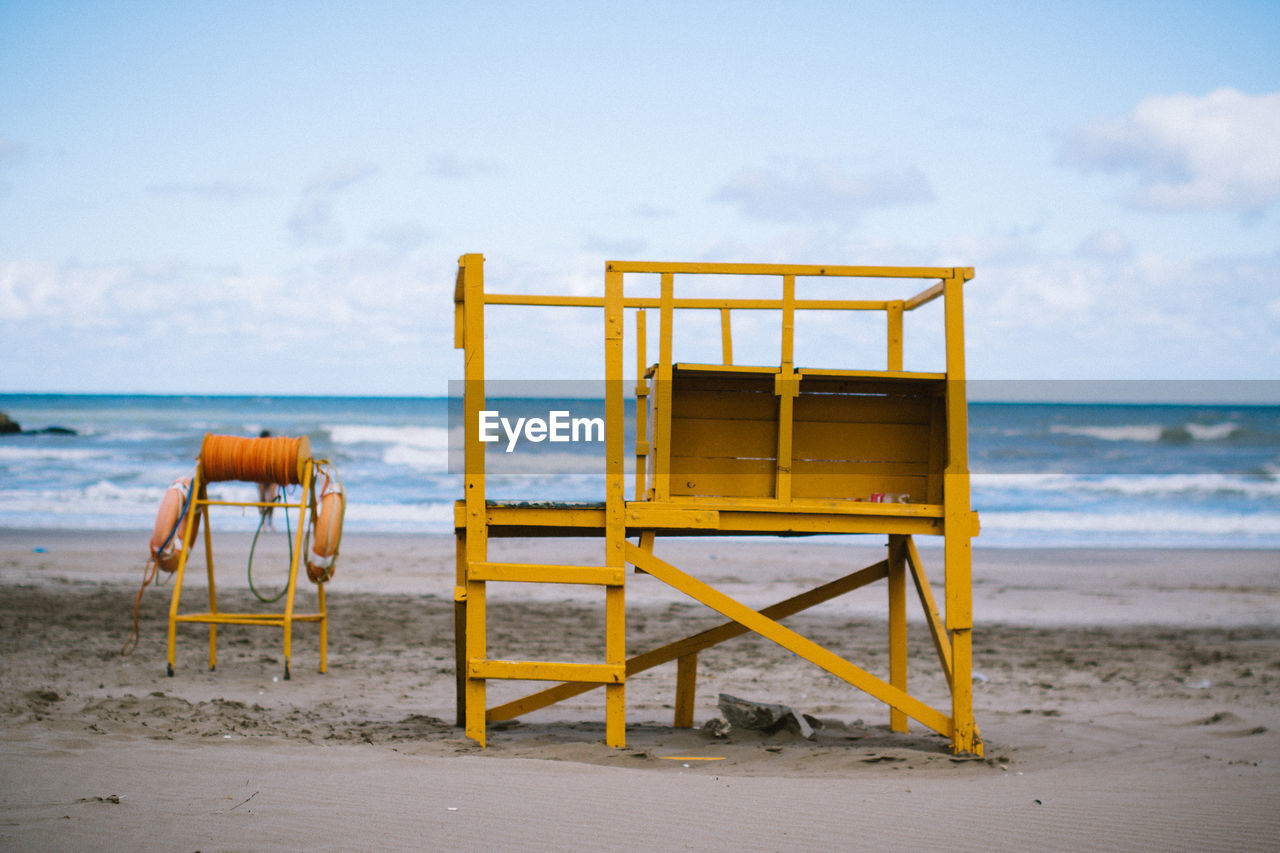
(540, 573)
(587, 673)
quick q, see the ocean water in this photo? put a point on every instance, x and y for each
(1064, 475)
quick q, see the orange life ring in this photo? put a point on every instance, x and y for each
(326, 534)
(166, 536)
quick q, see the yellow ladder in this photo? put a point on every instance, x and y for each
(475, 570)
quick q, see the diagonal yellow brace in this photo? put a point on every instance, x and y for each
(941, 640)
(693, 644)
(790, 640)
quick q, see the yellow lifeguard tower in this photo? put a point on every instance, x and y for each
(728, 449)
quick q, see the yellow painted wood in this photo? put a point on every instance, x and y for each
(754, 403)
(885, 379)
(897, 587)
(790, 640)
(213, 598)
(958, 525)
(685, 303)
(697, 642)
(729, 506)
(460, 624)
(755, 478)
(823, 479)
(752, 449)
(726, 337)
(965, 738)
(615, 512)
(459, 310)
(324, 627)
(869, 442)
(796, 520)
(923, 297)
(854, 408)
(893, 312)
(780, 269)
(197, 489)
(786, 387)
(540, 573)
(938, 447)
(731, 438)
(686, 690)
(226, 618)
(642, 408)
(213, 617)
(663, 402)
(594, 673)
(299, 549)
(477, 533)
(644, 514)
(530, 515)
(937, 630)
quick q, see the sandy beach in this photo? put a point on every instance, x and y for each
(1125, 699)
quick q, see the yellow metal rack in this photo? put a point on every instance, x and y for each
(728, 449)
(305, 505)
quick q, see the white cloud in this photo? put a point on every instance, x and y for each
(1107, 243)
(614, 246)
(10, 150)
(312, 220)
(1138, 315)
(400, 237)
(452, 166)
(219, 190)
(1216, 152)
(821, 190)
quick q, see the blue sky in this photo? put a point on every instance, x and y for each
(225, 197)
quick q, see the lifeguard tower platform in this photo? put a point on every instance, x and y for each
(730, 449)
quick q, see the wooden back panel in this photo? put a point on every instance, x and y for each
(851, 437)
(855, 437)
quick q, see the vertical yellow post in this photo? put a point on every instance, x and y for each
(941, 639)
(615, 508)
(197, 491)
(324, 629)
(213, 597)
(477, 530)
(298, 546)
(726, 337)
(686, 690)
(460, 626)
(787, 387)
(893, 310)
(957, 522)
(662, 417)
(642, 408)
(897, 625)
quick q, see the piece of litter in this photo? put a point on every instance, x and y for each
(1199, 685)
(717, 727)
(275, 678)
(692, 757)
(979, 677)
(453, 808)
(765, 716)
(226, 737)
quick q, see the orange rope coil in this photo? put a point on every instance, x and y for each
(279, 459)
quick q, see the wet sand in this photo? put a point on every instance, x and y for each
(1125, 699)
